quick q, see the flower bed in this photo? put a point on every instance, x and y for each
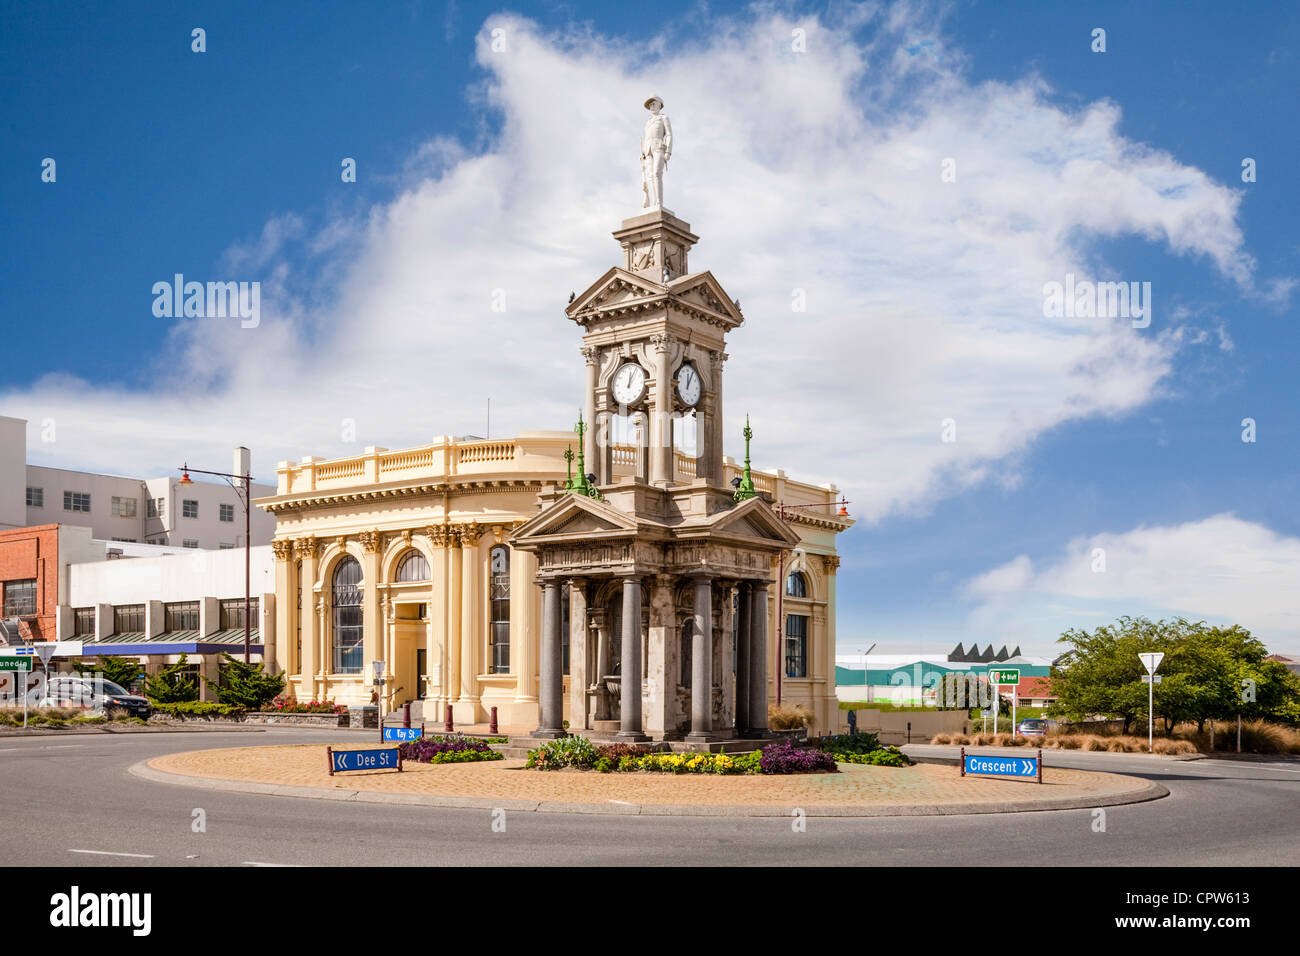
(440, 749)
(579, 753)
(291, 705)
(863, 748)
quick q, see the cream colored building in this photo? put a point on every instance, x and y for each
(428, 558)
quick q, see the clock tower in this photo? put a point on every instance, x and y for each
(654, 338)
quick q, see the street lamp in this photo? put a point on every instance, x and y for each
(243, 490)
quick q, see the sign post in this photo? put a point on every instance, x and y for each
(1011, 677)
(1151, 661)
(379, 695)
(45, 650)
(16, 666)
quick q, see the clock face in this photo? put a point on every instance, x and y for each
(629, 383)
(688, 384)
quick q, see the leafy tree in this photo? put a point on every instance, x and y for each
(245, 685)
(172, 685)
(120, 670)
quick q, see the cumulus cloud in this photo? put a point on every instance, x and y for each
(1221, 569)
(817, 171)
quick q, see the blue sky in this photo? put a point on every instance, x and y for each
(817, 170)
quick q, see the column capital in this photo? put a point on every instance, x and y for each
(468, 534)
(590, 354)
(307, 547)
(282, 548)
(831, 562)
(370, 541)
(662, 341)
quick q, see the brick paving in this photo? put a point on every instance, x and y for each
(919, 785)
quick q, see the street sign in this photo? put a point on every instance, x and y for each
(1152, 660)
(1009, 675)
(16, 664)
(1150, 678)
(341, 760)
(406, 733)
(988, 766)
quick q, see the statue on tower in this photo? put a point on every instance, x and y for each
(656, 148)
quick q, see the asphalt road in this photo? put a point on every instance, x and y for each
(80, 807)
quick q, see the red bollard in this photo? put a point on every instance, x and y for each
(446, 723)
(406, 714)
(492, 725)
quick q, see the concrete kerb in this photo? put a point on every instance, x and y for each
(1147, 791)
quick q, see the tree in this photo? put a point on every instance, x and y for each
(120, 670)
(245, 685)
(172, 685)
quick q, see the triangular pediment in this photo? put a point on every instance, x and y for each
(754, 519)
(703, 290)
(575, 515)
(614, 288)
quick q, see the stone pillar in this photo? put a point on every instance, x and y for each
(661, 431)
(551, 689)
(579, 657)
(438, 692)
(744, 644)
(594, 461)
(713, 450)
(471, 613)
(454, 635)
(630, 683)
(758, 654)
(282, 548)
(702, 662)
(307, 551)
(525, 624)
(372, 619)
(661, 665)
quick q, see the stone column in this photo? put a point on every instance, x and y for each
(372, 621)
(307, 551)
(594, 461)
(758, 654)
(454, 635)
(579, 657)
(525, 624)
(284, 611)
(661, 431)
(551, 689)
(661, 666)
(702, 662)
(744, 643)
(439, 692)
(471, 614)
(713, 450)
(630, 682)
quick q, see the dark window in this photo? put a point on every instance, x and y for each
(83, 620)
(154, 507)
(796, 585)
(499, 596)
(688, 632)
(348, 617)
(796, 645)
(189, 542)
(36, 497)
(226, 512)
(183, 616)
(20, 598)
(232, 613)
(128, 619)
(76, 501)
(189, 508)
(124, 507)
(414, 567)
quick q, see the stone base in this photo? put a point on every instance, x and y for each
(632, 737)
(541, 734)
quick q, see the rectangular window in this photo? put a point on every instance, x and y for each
(127, 540)
(124, 507)
(76, 501)
(796, 645)
(128, 619)
(36, 497)
(183, 616)
(162, 540)
(232, 614)
(83, 621)
(154, 507)
(224, 546)
(227, 512)
(189, 542)
(189, 508)
(20, 598)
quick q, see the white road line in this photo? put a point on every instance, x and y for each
(139, 856)
(625, 803)
(254, 863)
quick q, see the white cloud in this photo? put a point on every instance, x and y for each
(818, 171)
(1221, 569)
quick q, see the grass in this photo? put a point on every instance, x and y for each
(788, 718)
(1257, 736)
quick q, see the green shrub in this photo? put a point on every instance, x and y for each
(245, 685)
(171, 685)
(883, 757)
(576, 752)
(198, 708)
(857, 743)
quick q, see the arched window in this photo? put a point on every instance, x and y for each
(348, 618)
(414, 567)
(499, 628)
(796, 585)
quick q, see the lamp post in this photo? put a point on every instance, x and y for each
(243, 490)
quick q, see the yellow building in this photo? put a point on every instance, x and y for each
(435, 559)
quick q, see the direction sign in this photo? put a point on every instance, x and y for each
(1151, 661)
(403, 733)
(340, 760)
(1152, 678)
(1008, 675)
(15, 664)
(1000, 766)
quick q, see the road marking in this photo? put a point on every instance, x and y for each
(11, 750)
(140, 856)
(626, 803)
(254, 863)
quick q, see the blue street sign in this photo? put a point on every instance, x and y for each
(402, 733)
(1002, 766)
(364, 760)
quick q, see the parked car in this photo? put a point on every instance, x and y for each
(98, 695)
(1036, 727)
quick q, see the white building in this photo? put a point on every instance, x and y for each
(160, 511)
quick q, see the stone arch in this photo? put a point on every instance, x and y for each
(397, 550)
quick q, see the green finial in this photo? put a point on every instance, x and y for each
(580, 485)
(745, 490)
(568, 464)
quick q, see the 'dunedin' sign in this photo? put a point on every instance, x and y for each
(341, 760)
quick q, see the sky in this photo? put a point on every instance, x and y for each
(889, 189)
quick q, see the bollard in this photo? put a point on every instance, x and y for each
(909, 731)
(492, 724)
(447, 719)
(406, 714)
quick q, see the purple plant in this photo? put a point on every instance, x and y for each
(785, 757)
(424, 749)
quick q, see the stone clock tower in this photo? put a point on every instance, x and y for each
(667, 572)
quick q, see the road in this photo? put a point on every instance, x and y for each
(81, 807)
